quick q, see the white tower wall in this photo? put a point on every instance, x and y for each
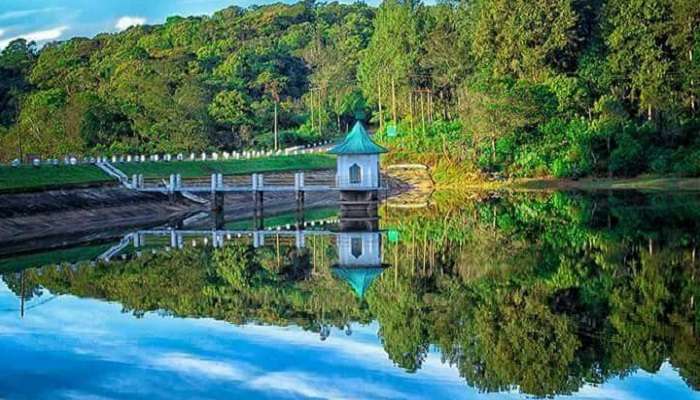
(369, 171)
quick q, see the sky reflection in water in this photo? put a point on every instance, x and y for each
(76, 348)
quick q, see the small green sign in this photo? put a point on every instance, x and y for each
(393, 235)
(391, 131)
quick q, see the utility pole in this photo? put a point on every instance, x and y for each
(411, 106)
(379, 97)
(393, 99)
(276, 140)
(22, 296)
(311, 93)
(19, 142)
(422, 108)
(320, 121)
(430, 105)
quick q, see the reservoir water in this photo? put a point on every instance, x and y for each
(495, 296)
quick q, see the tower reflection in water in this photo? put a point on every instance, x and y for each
(355, 235)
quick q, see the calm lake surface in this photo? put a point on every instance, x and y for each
(566, 295)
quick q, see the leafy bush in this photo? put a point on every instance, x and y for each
(235, 264)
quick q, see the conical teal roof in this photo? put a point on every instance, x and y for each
(359, 279)
(357, 142)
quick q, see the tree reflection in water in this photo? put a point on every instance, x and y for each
(539, 292)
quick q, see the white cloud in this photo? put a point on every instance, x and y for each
(37, 36)
(48, 34)
(2, 32)
(297, 383)
(26, 13)
(126, 22)
(300, 384)
(186, 363)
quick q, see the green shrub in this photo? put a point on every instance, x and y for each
(235, 264)
(688, 163)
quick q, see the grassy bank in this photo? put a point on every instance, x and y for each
(451, 177)
(641, 183)
(50, 177)
(26, 178)
(191, 169)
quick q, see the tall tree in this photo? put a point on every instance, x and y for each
(525, 39)
(16, 61)
(392, 55)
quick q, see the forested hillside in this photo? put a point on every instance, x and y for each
(524, 88)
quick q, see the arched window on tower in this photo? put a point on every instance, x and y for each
(356, 247)
(355, 174)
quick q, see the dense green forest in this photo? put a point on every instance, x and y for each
(562, 88)
(540, 293)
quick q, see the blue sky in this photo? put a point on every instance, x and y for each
(72, 348)
(45, 20)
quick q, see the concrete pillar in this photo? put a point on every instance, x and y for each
(300, 208)
(217, 218)
(256, 239)
(217, 197)
(172, 185)
(300, 239)
(173, 239)
(258, 213)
